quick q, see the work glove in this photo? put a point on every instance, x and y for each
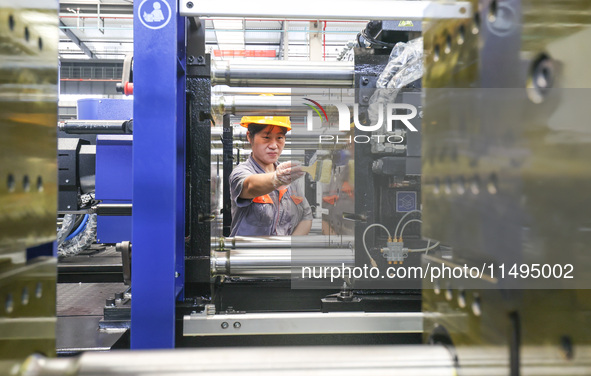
(286, 173)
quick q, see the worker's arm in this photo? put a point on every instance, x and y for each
(257, 185)
(303, 228)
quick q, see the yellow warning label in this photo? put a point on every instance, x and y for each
(405, 24)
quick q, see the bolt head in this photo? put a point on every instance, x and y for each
(237, 325)
(190, 4)
(225, 325)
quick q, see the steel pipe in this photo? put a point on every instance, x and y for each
(240, 105)
(282, 73)
(423, 360)
(112, 209)
(253, 105)
(260, 242)
(96, 126)
(275, 262)
(227, 90)
(104, 210)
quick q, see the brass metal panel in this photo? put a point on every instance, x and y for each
(505, 167)
(27, 312)
(28, 119)
(484, 133)
(506, 172)
(28, 173)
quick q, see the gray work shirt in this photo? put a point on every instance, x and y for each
(277, 213)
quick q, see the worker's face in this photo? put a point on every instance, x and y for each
(267, 144)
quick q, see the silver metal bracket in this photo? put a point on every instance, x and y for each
(198, 324)
(328, 10)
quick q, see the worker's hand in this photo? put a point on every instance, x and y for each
(287, 172)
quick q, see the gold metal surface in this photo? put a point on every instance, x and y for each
(28, 173)
(28, 118)
(506, 172)
(27, 311)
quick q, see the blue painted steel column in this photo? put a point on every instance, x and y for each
(158, 172)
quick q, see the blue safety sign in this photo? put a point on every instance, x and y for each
(154, 14)
(406, 201)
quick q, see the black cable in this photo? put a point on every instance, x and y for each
(359, 41)
(376, 42)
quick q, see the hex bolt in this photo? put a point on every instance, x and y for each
(110, 302)
(191, 58)
(225, 325)
(237, 325)
(365, 99)
(190, 4)
(365, 81)
(200, 59)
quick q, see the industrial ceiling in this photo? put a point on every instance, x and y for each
(103, 30)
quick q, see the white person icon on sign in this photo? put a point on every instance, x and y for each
(156, 14)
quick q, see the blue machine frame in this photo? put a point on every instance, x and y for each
(113, 165)
(158, 174)
(114, 184)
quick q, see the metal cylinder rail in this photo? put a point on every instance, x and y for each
(284, 105)
(96, 126)
(241, 105)
(409, 360)
(334, 360)
(228, 90)
(276, 262)
(112, 209)
(249, 105)
(254, 242)
(282, 74)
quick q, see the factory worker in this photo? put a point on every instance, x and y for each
(264, 202)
